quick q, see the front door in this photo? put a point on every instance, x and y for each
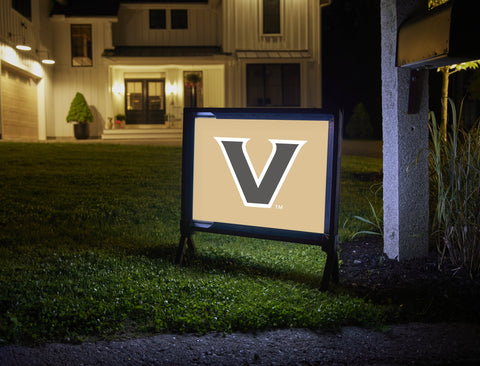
(145, 101)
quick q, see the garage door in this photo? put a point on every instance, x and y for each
(19, 105)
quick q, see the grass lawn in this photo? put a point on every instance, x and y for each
(88, 234)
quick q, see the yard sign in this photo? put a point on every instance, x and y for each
(264, 173)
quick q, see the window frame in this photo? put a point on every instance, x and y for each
(261, 18)
(89, 46)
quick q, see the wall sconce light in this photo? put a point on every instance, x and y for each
(172, 89)
(118, 89)
(47, 60)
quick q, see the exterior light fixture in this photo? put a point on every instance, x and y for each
(172, 88)
(118, 89)
(22, 44)
(47, 60)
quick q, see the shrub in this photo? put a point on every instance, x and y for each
(79, 110)
(359, 125)
(455, 179)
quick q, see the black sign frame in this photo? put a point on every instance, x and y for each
(328, 240)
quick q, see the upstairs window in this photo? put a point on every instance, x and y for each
(271, 16)
(158, 19)
(179, 19)
(24, 7)
(81, 40)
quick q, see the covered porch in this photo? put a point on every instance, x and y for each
(147, 92)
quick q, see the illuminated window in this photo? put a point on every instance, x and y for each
(24, 7)
(81, 45)
(273, 85)
(179, 19)
(158, 19)
(271, 16)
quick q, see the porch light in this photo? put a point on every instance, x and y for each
(118, 89)
(172, 89)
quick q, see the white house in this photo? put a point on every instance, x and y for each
(149, 60)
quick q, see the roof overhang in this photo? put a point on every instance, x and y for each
(280, 55)
(146, 55)
(149, 51)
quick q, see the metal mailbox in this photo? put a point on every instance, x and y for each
(446, 35)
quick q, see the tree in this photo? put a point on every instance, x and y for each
(446, 72)
(79, 111)
(359, 125)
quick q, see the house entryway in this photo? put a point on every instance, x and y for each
(145, 101)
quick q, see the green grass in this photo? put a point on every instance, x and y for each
(88, 234)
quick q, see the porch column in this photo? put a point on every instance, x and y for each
(405, 137)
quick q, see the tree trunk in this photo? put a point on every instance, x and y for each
(444, 114)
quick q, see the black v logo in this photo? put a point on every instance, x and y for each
(259, 191)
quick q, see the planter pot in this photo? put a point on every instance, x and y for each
(81, 131)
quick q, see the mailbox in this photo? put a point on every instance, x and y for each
(446, 35)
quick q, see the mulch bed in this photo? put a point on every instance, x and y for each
(425, 292)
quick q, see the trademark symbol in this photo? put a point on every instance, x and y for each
(279, 207)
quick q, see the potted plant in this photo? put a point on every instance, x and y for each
(81, 115)
(120, 121)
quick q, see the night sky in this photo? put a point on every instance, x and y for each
(351, 58)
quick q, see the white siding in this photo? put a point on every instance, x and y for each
(92, 81)
(133, 28)
(300, 31)
(242, 26)
(213, 87)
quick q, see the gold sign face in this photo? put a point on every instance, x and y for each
(264, 173)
